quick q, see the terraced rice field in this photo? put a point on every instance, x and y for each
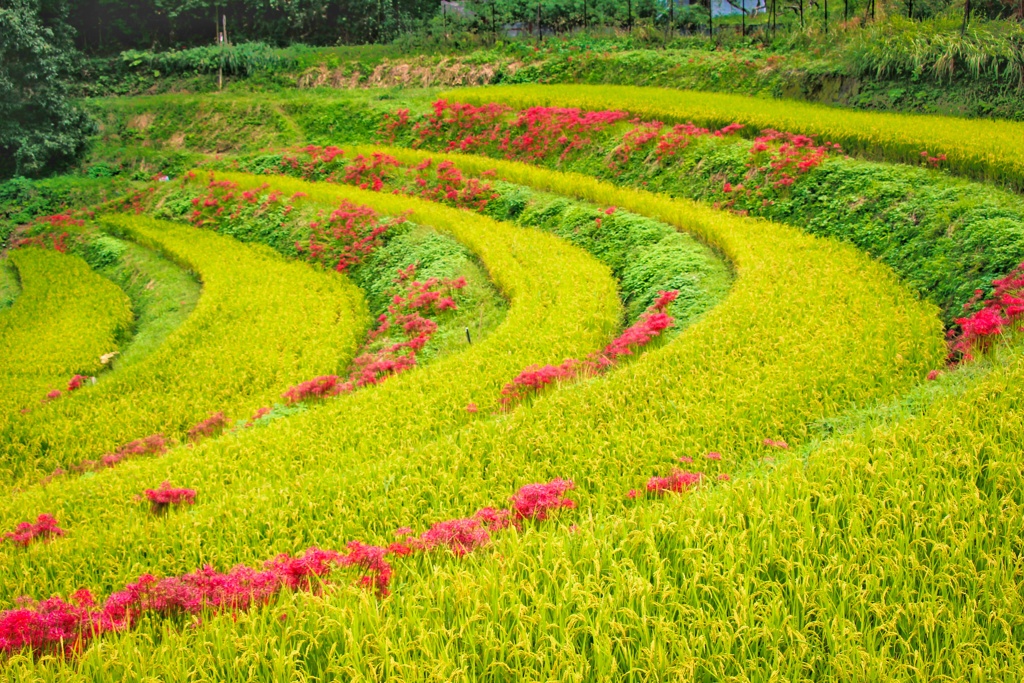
(501, 396)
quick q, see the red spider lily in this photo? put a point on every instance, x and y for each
(57, 627)
(260, 412)
(76, 382)
(536, 133)
(318, 387)
(349, 234)
(713, 455)
(1001, 309)
(461, 536)
(651, 324)
(51, 626)
(536, 501)
(933, 375)
(772, 443)
(163, 498)
(406, 316)
(932, 161)
(211, 426)
(677, 481)
(45, 527)
(370, 558)
(152, 444)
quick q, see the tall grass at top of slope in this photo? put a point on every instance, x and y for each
(810, 328)
(980, 149)
(261, 324)
(947, 237)
(64, 320)
(937, 49)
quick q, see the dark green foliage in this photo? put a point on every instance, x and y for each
(646, 256)
(436, 255)
(105, 26)
(41, 131)
(22, 199)
(101, 251)
(245, 59)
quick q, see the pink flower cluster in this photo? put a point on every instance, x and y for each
(773, 443)
(999, 310)
(441, 182)
(154, 444)
(407, 316)
(211, 426)
(316, 388)
(776, 160)
(932, 161)
(45, 526)
(340, 241)
(533, 502)
(76, 382)
(651, 324)
(54, 626)
(677, 481)
(349, 234)
(535, 133)
(161, 499)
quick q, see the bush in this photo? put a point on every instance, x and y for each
(41, 131)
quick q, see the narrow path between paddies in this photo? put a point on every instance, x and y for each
(261, 324)
(977, 148)
(563, 303)
(65, 319)
(163, 296)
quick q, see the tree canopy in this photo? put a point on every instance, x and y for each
(41, 130)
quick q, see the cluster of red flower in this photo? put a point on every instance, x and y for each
(150, 445)
(651, 324)
(441, 182)
(161, 499)
(44, 527)
(340, 241)
(56, 626)
(535, 133)
(995, 313)
(211, 426)
(407, 314)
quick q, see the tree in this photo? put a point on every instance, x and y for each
(41, 131)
